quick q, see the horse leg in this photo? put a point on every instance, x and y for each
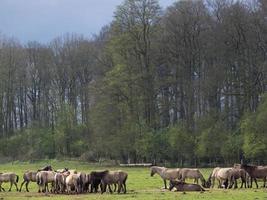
(21, 185)
(256, 182)
(11, 184)
(109, 188)
(165, 184)
(236, 184)
(119, 188)
(124, 185)
(219, 181)
(213, 182)
(264, 181)
(16, 186)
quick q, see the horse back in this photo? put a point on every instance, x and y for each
(171, 174)
(260, 172)
(8, 177)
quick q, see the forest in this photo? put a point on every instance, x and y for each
(184, 85)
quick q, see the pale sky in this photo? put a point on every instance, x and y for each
(43, 20)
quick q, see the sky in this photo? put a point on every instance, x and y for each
(44, 20)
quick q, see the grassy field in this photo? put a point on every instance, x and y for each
(139, 184)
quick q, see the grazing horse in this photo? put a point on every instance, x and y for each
(211, 180)
(195, 174)
(182, 186)
(9, 177)
(114, 177)
(223, 176)
(255, 172)
(165, 173)
(27, 178)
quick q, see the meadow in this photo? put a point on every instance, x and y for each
(139, 185)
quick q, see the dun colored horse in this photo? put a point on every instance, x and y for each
(27, 178)
(9, 177)
(114, 177)
(43, 178)
(223, 175)
(165, 173)
(195, 174)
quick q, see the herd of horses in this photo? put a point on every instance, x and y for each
(227, 177)
(70, 181)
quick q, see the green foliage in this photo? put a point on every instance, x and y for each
(254, 129)
(181, 142)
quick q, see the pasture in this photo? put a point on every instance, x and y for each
(139, 185)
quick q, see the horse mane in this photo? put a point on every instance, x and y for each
(250, 166)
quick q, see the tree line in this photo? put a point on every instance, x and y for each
(182, 85)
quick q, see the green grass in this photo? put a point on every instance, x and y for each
(139, 184)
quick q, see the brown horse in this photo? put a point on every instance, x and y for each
(165, 173)
(182, 186)
(255, 172)
(240, 173)
(95, 179)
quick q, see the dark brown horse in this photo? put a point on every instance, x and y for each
(95, 179)
(182, 186)
(255, 172)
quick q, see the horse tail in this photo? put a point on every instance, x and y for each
(17, 180)
(37, 179)
(40, 182)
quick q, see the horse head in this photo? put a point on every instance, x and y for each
(208, 182)
(153, 171)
